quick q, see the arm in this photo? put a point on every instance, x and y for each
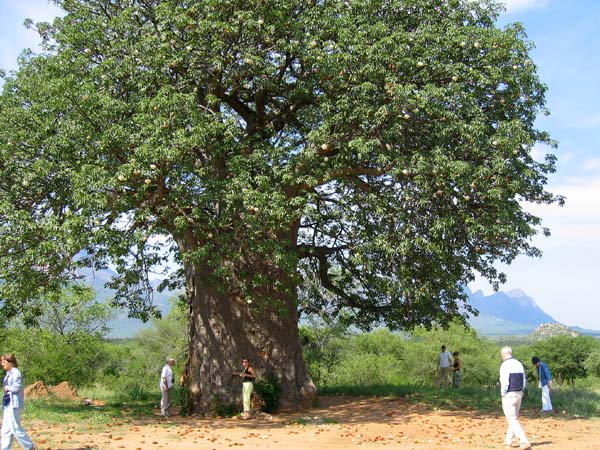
(503, 379)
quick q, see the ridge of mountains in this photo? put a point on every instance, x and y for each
(511, 313)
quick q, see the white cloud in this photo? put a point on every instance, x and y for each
(520, 5)
(591, 164)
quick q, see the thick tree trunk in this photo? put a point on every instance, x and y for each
(224, 328)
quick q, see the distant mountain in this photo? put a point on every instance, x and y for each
(513, 306)
(511, 313)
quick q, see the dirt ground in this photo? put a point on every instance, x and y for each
(337, 423)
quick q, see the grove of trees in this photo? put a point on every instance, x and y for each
(358, 159)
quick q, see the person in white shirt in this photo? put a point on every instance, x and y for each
(12, 404)
(167, 379)
(444, 367)
(512, 385)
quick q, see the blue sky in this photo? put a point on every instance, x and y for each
(566, 34)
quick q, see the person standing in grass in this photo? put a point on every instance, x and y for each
(457, 374)
(248, 376)
(167, 380)
(545, 382)
(444, 367)
(12, 404)
(512, 385)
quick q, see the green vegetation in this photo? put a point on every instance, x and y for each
(379, 363)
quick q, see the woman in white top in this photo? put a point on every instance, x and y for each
(12, 404)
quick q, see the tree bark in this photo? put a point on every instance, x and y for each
(225, 328)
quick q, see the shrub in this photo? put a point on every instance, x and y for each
(268, 390)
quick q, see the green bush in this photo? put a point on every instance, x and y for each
(566, 355)
(268, 390)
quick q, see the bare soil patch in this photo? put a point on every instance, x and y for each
(337, 423)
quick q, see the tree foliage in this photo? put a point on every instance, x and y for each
(378, 151)
(566, 356)
(61, 338)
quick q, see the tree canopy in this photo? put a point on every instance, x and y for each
(377, 152)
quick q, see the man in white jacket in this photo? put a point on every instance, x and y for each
(166, 385)
(512, 385)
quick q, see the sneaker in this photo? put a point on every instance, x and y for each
(525, 446)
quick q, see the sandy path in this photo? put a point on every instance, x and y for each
(338, 423)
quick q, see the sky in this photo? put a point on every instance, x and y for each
(566, 33)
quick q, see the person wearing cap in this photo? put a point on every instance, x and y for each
(167, 379)
(544, 381)
(512, 385)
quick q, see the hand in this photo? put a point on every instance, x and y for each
(540, 384)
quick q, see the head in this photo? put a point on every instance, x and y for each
(506, 353)
(443, 348)
(8, 361)
(246, 362)
(170, 361)
(455, 354)
(535, 361)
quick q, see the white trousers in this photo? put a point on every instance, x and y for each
(546, 402)
(165, 401)
(11, 427)
(511, 404)
(247, 388)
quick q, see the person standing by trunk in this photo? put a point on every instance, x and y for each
(545, 382)
(167, 379)
(12, 404)
(248, 376)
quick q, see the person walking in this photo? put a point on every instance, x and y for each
(167, 379)
(544, 381)
(12, 403)
(457, 374)
(512, 385)
(248, 376)
(444, 367)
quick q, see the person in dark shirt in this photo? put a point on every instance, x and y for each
(457, 374)
(512, 385)
(248, 376)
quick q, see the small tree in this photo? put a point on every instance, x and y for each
(566, 355)
(62, 339)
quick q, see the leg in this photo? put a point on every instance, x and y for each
(7, 431)
(247, 389)
(164, 402)
(447, 376)
(19, 433)
(511, 404)
(546, 402)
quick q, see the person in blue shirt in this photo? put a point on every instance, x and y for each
(545, 382)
